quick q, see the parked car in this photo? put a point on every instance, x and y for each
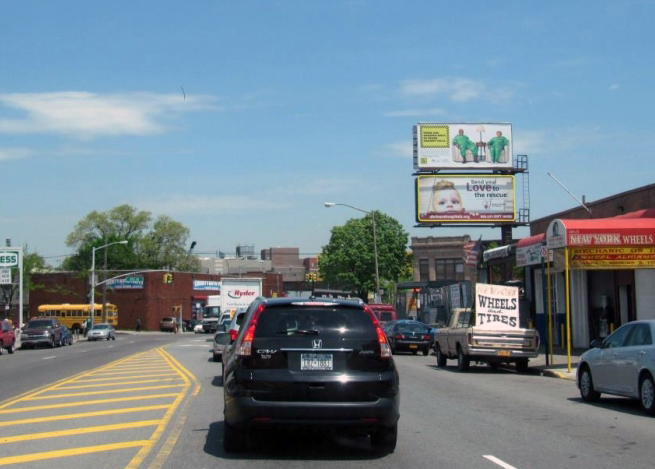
(198, 328)
(221, 340)
(41, 331)
(384, 312)
(168, 324)
(622, 365)
(300, 362)
(235, 324)
(101, 331)
(409, 336)
(66, 336)
(7, 337)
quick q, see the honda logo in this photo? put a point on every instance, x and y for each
(317, 343)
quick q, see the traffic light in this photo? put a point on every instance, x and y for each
(168, 278)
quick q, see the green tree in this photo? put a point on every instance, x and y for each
(348, 260)
(32, 262)
(158, 245)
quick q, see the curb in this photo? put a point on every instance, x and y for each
(557, 374)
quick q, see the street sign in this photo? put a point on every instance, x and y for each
(5, 276)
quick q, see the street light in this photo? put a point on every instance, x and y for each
(377, 298)
(93, 276)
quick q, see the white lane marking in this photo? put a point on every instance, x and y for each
(48, 358)
(194, 345)
(498, 461)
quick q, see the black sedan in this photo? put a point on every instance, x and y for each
(408, 335)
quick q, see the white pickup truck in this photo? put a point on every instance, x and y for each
(464, 340)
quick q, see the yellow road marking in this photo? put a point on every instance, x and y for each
(61, 405)
(123, 377)
(70, 452)
(102, 385)
(109, 391)
(54, 418)
(79, 431)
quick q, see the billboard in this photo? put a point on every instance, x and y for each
(466, 198)
(462, 146)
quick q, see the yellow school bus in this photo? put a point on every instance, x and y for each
(74, 316)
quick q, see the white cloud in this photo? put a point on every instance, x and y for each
(530, 142)
(396, 150)
(181, 204)
(555, 142)
(14, 153)
(87, 115)
(456, 89)
(415, 113)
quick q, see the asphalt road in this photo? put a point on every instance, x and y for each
(169, 415)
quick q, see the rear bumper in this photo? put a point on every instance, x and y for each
(249, 412)
(496, 354)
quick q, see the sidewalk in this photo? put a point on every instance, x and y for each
(558, 363)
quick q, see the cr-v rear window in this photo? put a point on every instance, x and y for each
(301, 321)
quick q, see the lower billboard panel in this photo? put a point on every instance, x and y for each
(464, 199)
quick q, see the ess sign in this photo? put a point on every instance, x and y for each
(8, 259)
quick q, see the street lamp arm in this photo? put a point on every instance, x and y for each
(93, 276)
(375, 244)
(332, 204)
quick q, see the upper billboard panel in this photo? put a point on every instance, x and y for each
(463, 199)
(462, 146)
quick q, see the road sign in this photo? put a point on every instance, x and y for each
(5, 276)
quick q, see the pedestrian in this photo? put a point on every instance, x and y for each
(138, 324)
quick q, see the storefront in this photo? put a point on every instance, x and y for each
(602, 275)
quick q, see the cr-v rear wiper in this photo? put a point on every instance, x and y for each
(300, 331)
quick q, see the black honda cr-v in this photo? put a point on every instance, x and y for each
(303, 362)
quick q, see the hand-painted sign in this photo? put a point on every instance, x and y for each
(497, 307)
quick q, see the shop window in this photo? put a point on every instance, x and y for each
(449, 269)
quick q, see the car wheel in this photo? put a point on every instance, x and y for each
(113, 337)
(108, 338)
(522, 365)
(426, 351)
(647, 394)
(384, 439)
(12, 347)
(234, 438)
(217, 357)
(587, 391)
(463, 361)
(441, 358)
(2, 349)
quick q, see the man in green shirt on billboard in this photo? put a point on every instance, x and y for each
(464, 143)
(496, 146)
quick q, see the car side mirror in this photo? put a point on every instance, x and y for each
(596, 343)
(220, 328)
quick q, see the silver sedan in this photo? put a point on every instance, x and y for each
(622, 365)
(101, 331)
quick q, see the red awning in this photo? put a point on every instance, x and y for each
(613, 231)
(531, 240)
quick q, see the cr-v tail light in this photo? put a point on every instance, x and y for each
(385, 350)
(244, 348)
(233, 335)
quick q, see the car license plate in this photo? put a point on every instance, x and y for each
(413, 346)
(504, 353)
(316, 361)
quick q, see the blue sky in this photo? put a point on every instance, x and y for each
(239, 119)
